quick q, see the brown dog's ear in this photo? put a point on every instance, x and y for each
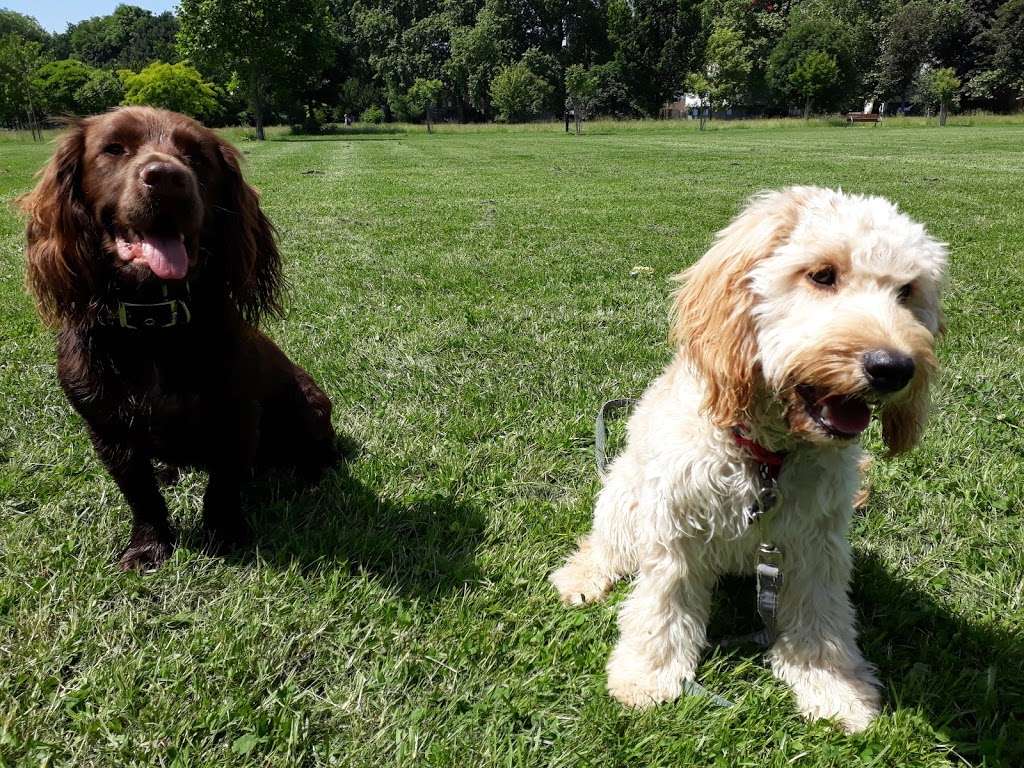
(248, 246)
(712, 322)
(61, 236)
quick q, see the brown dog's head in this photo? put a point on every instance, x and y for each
(141, 194)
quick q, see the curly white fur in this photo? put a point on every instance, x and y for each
(752, 330)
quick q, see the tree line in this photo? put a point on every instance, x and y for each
(313, 62)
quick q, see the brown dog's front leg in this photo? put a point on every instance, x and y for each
(151, 542)
(236, 438)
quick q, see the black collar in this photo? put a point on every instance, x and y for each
(167, 311)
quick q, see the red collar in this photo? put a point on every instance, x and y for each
(758, 452)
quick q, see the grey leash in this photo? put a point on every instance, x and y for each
(769, 556)
(601, 429)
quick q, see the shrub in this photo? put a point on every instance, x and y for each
(372, 114)
(178, 87)
(518, 94)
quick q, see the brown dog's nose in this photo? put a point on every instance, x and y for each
(163, 177)
(888, 370)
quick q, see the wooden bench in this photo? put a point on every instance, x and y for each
(862, 117)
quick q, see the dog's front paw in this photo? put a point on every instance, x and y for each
(581, 580)
(635, 682)
(223, 536)
(147, 550)
(851, 697)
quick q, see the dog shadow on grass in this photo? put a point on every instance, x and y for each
(423, 547)
(965, 678)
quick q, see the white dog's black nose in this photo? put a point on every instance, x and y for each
(888, 370)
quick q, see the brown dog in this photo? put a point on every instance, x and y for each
(150, 252)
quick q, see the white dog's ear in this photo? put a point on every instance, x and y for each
(903, 422)
(713, 325)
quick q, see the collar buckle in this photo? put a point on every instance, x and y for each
(150, 316)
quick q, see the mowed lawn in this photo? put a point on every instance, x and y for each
(466, 300)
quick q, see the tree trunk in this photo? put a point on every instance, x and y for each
(807, 110)
(943, 112)
(429, 126)
(256, 104)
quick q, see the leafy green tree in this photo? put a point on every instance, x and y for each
(547, 67)
(1002, 75)
(919, 33)
(25, 27)
(272, 48)
(102, 91)
(613, 96)
(760, 25)
(727, 65)
(129, 38)
(59, 83)
(478, 52)
(517, 93)
(808, 34)
(373, 115)
(581, 88)
(178, 87)
(653, 42)
(19, 98)
(423, 95)
(814, 76)
(938, 86)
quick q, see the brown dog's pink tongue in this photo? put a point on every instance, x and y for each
(847, 414)
(166, 256)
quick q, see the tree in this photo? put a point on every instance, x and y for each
(581, 86)
(653, 42)
(272, 48)
(517, 93)
(478, 52)
(1000, 79)
(813, 33)
(422, 96)
(813, 77)
(59, 83)
(938, 86)
(19, 58)
(727, 66)
(25, 27)
(102, 91)
(178, 87)
(129, 38)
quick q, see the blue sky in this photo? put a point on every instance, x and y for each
(55, 15)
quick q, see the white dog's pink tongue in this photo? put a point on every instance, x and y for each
(166, 256)
(850, 415)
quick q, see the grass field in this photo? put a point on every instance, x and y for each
(466, 300)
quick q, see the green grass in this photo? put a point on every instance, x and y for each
(465, 298)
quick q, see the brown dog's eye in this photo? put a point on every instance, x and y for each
(905, 292)
(825, 276)
(114, 149)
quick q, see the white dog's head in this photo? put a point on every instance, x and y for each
(827, 303)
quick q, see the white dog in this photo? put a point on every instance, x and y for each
(811, 308)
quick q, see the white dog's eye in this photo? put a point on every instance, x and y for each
(824, 276)
(905, 292)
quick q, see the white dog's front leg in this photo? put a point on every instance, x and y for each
(816, 652)
(662, 629)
